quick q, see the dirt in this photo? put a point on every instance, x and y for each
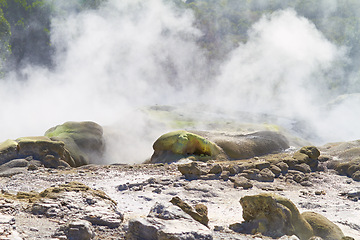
(136, 188)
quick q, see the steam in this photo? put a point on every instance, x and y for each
(110, 63)
(127, 55)
(283, 70)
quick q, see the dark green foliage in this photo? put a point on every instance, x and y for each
(29, 41)
(25, 27)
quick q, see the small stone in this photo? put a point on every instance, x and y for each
(311, 151)
(79, 230)
(216, 169)
(151, 180)
(218, 228)
(123, 187)
(157, 190)
(276, 170)
(283, 166)
(266, 175)
(242, 182)
(356, 176)
(190, 169)
(302, 167)
(233, 170)
(32, 167)
(261, 164)
(225, 175)
(306, 183)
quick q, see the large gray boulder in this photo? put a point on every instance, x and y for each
(166, 221)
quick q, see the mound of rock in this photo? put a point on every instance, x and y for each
(29, 152)
(295, 168)
(250, 145)
(322, 226)
(202, 146)
(273, 215)
(348, 155)
(173, 146)
(72, 144)
(84, 140)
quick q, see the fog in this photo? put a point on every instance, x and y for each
(112, 63)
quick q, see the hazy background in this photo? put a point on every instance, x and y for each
(108, 62)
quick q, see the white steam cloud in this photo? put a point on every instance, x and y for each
(282, 70)
(129, 54)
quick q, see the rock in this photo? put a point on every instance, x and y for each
(45, 207)
(275, 170)
(74, 201)
(302, 167)
(190, 170)
(77, 230)
(311, 151)
(283, 166)
(352, 169)
(234, 169)
(167, 222)
(8, 151)
(261, 164)
(297, 176)
(38, 148)
(83, 140)
(308, 155)
(241, 182)
(13, 167)
(251, 145)
(266, 175)
(225, 175)
(323, 227)
(356, 176)
(273, 216)
(173, 146)
(97, 216)
(200, 213)
(216, 169)
(306, 183)
(167, 212)
(347, 168)
(252, 174)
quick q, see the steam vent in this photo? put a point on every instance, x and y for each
(179, 120)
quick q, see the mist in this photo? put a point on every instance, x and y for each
(113, 62)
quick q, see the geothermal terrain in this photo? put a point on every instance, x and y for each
(45, 196)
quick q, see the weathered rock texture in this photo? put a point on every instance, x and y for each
(206, 145)
(71, 144)
(84, 140)
(322, 227)
(275, 216)
(181, 144)
(250, 145)
(167, 222)
(199, 214)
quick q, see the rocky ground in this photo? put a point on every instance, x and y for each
(77, 212)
